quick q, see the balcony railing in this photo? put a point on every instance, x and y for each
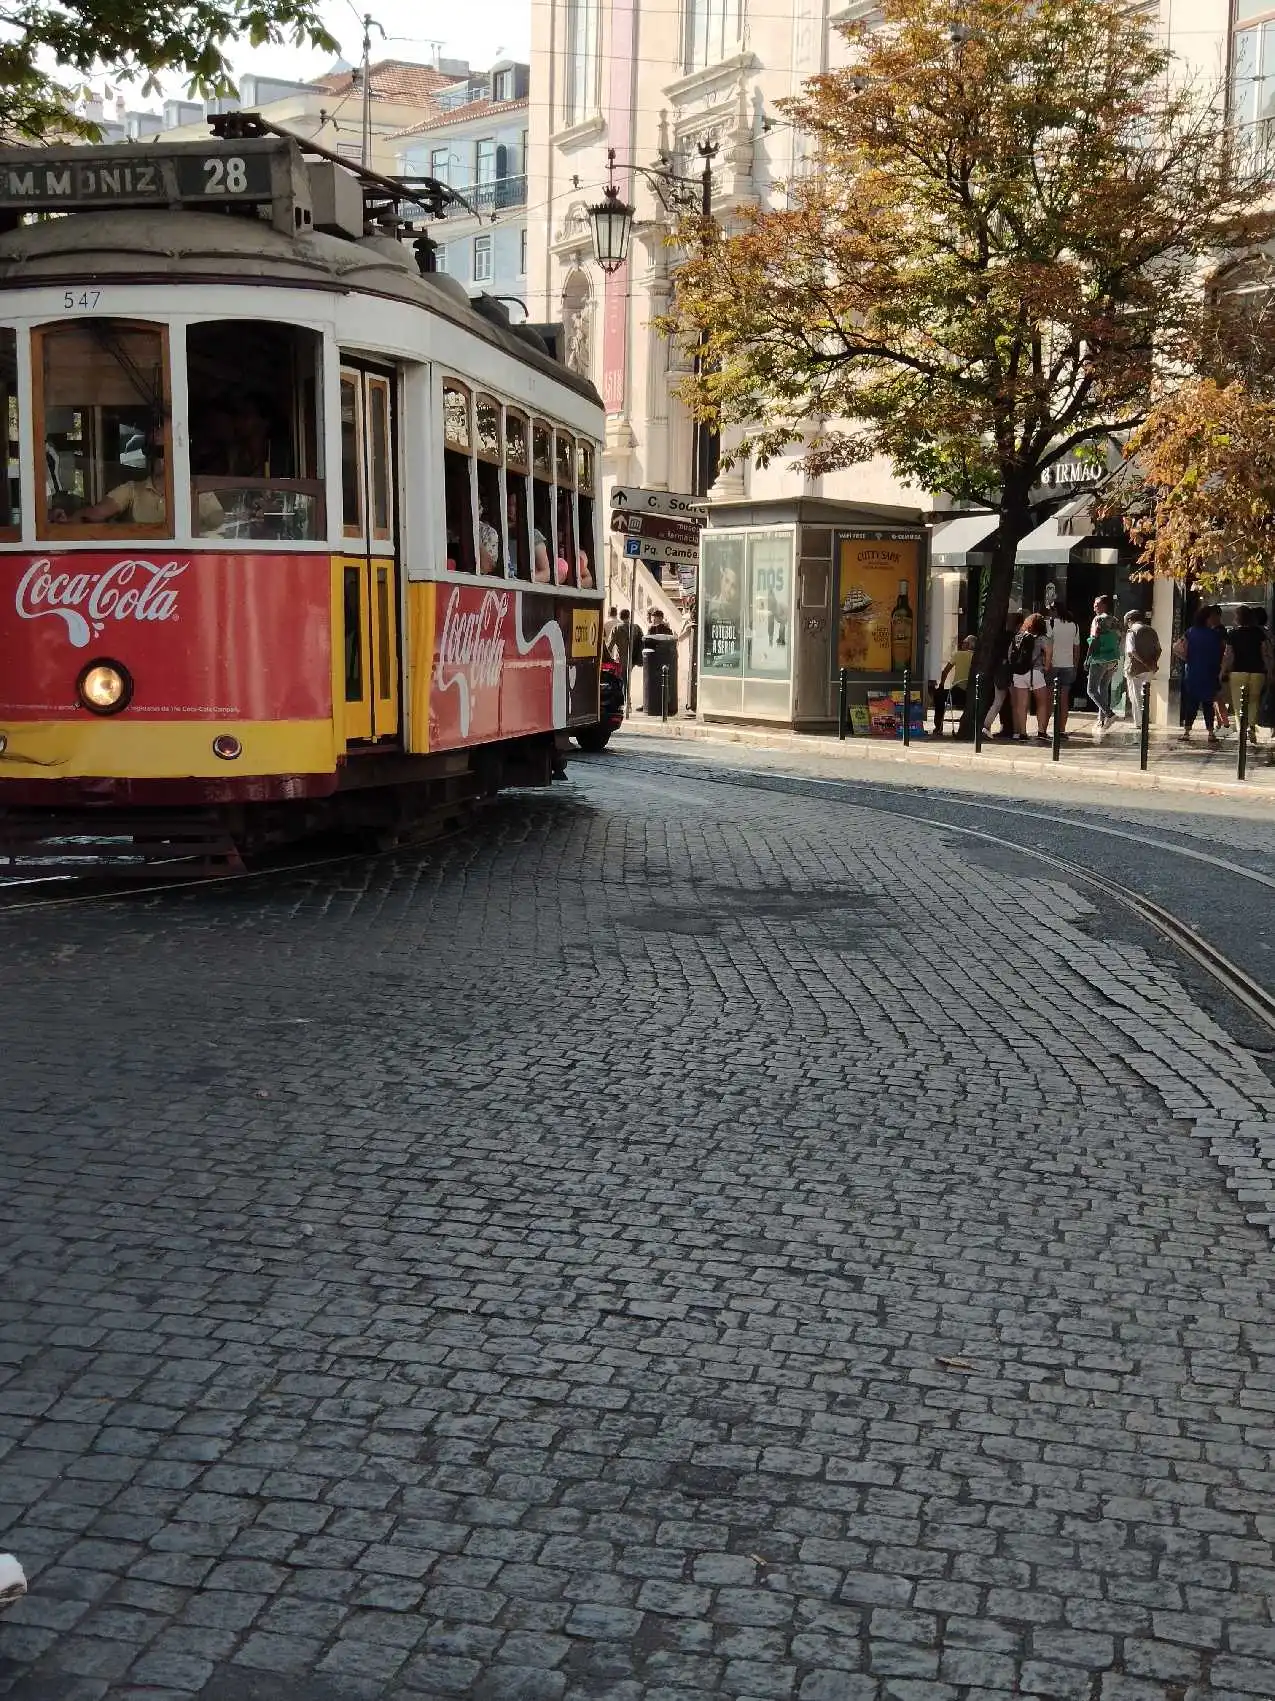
(496, 195)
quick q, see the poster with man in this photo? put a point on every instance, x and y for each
(723, 603)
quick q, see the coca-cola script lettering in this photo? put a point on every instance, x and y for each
(470, 649)
(134, 589)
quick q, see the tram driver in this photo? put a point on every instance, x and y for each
(143, 500)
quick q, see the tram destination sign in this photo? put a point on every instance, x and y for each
(257, 170)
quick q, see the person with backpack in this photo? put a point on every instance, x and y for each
(1201, 647)
(1102, 660)
(1141, 659)
(1002, 677)
(1028, 660)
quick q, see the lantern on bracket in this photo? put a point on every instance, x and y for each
(611, 222)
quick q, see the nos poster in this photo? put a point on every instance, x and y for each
(877, 598)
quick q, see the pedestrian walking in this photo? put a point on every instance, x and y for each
(1141, 659)
(1028, 660)
(1102, 660)
(1221, 701)
(953, 682)
(1063, 636)
(1002, 674)
(1201, 649)
(626, 647)
(1246, 663)
(1266, 709)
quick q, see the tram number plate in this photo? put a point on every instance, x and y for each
(154, 177)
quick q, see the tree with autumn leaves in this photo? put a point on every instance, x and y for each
(998, 246)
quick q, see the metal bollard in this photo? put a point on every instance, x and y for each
(1056, 729)
(907, 704)
(843, 701)
(1144, 749)
(978, 713)
(1241, 767)
(664, 692)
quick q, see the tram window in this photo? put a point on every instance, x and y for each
(517, 507)
(378, 391)
(102, 414)
(255, 461)
(542, 516)
(587, 540)
(564, 463)
(351, 457)
(491, 551)
(458, 496)
(11, 501)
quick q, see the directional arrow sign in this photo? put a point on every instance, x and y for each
(659, 502)
(656, 525)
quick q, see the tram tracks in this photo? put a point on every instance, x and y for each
(1256, 1000)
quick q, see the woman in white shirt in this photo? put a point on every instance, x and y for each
(1063, 637)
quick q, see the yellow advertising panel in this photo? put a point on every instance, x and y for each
(584, 632)
(877, 600)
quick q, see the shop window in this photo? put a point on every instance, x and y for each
(491, 548)
(102, 413)
(517, 509)
(11, 502)
(458, 494)
(542, 515)
(254, 432)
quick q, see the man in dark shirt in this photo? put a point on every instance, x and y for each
(1248, 663)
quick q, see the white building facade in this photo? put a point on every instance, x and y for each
(476, 143)
(653, 79)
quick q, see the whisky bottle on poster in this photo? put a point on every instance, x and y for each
(901, 625)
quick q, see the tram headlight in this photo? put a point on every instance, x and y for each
(104, 687)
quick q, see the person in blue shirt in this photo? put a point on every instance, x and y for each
(1202, 649)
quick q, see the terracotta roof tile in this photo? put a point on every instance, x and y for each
(459, 114)
(394, 80)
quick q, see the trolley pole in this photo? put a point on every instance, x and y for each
(978, 713)
(369, 24)
(1144, 747)
(843, 697)
(1241, 767)
(1056, 752)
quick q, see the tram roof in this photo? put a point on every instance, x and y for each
(141, 245)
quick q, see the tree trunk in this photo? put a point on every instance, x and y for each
(1015, 523)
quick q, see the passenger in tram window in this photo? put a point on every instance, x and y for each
(488, 545)
(584, 571)
(540, 571)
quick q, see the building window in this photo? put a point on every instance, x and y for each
(440, 258)
(503, 86)
(485, 160)
(440, 160)
(482, 259)
(580, 91)
(712, 32)
(1253, 71)
(522, 253)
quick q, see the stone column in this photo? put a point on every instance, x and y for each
(1162, 599)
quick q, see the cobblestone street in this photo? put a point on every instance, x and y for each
(603, 1256)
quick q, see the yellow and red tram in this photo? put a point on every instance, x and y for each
(292, 531)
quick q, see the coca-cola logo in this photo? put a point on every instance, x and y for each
(134, 589)
(471, 649)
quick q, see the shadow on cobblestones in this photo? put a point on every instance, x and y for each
(441, 1276)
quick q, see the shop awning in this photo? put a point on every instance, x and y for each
(954, 541)
(1070, 534)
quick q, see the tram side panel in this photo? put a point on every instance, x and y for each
(209, 644)
(494, 662)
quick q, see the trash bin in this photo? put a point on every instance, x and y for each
(660, 653)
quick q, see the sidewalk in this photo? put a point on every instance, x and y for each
(1172, 765)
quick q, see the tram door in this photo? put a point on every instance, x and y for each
(369, 563)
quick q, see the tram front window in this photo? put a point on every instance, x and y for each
(254, 430)
(103, 417)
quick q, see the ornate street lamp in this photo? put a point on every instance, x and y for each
(611, 221)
